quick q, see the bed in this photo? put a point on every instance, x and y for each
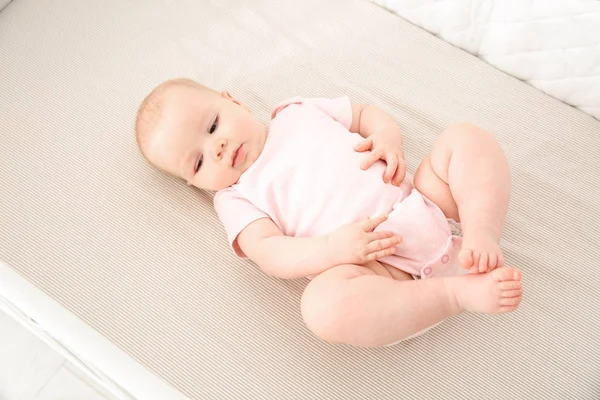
(130, 271)
(553, 45)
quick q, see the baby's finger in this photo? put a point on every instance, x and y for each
(383, 244)
(392, 165)
(371, 223)
(371, 158)
(379, 235)
(380, 254)
(364, 145)
(400, 173)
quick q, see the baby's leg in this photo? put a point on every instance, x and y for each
(362, 306)
(467, 176)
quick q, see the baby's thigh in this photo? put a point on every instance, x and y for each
(428, 183)
(351, 271)
(324, 295)
(325, 284)
(326, 302)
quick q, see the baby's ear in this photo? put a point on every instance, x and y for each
(228, 96)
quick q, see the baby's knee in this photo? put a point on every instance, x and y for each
(322, 314)
(323, 308)
(465, 131)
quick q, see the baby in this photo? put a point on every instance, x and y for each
(323, 193)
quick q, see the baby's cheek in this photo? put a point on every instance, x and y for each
(212, 181)
(219, 178)
(245, 126)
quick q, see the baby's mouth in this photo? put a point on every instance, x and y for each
(237, 156)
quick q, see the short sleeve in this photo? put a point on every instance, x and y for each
(340, 109)
(235, 213)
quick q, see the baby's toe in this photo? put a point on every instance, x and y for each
(483, 262)
(474, 269)
(505, 275)
(513, 301)
(465, 258)
(500, 260)
(493, 261)
(476, 258)
(509, 285)
(511, 293)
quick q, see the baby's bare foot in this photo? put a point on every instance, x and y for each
(495, 292)
(480, 253)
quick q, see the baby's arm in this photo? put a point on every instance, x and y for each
(383, 140)
(290, 257)
(368, 119)
(283, 256)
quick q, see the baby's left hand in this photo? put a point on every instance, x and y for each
(385, 146)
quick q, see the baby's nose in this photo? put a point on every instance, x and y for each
(219, 148)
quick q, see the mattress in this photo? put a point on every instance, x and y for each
(554, 45)
(142, 261)
(4, 3)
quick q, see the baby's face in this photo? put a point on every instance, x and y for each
(206, 138)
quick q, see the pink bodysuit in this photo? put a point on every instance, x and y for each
(308, 180)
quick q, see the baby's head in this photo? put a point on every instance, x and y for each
(199, 135)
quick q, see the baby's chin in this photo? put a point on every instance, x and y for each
(217, 185)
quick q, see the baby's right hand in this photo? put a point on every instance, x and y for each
(356, 243)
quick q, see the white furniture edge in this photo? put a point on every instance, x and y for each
(78, 342)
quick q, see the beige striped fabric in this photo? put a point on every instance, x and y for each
(142, 258)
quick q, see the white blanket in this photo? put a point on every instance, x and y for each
(552, 44)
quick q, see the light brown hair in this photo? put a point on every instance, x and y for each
(150, 111)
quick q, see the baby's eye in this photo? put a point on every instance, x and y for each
(214, 126)
(198, 164)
